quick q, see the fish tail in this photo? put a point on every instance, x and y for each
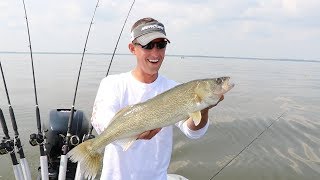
(88, 158)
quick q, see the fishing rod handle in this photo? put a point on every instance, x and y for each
(19, 146)
(63, 167)
(17, 170)
(4, 125)
(15, 128)
(13, 121)
(70, 121)
(38, 119)
(44, 167)
(14, 158)
(25, 169)
(37, 139)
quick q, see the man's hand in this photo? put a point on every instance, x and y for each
(149, 134)
(221, 99)
(204, 117)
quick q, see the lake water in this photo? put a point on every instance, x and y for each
(285, 93)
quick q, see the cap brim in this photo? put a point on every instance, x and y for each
(146, 38)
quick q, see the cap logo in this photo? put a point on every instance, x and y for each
(155, 26)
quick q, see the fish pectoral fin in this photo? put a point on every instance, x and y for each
(126, 143)
(196, 117)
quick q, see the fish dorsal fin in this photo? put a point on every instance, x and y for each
(126, 143)
(196, 117)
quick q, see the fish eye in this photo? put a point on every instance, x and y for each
(219, 80)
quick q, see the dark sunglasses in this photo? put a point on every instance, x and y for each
(150, 45)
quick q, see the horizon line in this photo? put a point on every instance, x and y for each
(182, 56)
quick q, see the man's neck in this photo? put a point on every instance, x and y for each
(143, 77)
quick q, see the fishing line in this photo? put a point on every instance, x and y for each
(247, 145)
(36, 139)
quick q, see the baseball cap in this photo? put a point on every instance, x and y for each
(145, 33)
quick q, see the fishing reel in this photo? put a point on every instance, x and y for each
(36, 139)
(74, 140)
(7, 145)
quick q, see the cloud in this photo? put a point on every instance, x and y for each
(229, 27)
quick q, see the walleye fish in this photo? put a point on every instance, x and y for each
(177, 104)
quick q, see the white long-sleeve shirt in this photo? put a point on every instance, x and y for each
(145, 159)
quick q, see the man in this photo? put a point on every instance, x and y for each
(149, 157)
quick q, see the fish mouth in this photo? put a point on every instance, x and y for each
(226, 84)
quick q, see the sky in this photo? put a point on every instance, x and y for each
(246, 28)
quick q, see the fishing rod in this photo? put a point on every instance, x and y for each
(89, 135)
(7, 146)
(17, 142)
(115, 48)
(37, 139)
(69, 138)
(242, 150)
(114, 51)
